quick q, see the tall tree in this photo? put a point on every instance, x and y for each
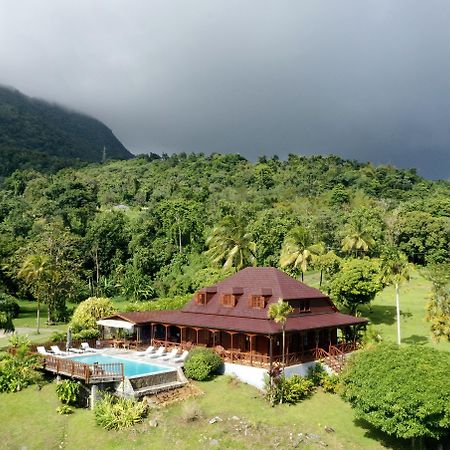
(279, 312)
(230, 243)
(438, 307)
(35, 270)
(395, 270)
(299, 249)
(357, 239)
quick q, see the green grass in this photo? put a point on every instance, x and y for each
(29, 419)
(382, 313)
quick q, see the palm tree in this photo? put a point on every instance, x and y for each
(279, 312)
(299, 249)
(230, 244)
(33, 271)
(395, 270)
(357, 239)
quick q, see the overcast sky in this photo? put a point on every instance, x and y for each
(367, 80)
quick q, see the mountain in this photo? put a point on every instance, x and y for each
(45, 136)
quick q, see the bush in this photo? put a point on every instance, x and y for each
(316, 374)
(202, 363)
(112, 413)
(331, 384)
(85, 335)
(64, 409)
(68, 391)
(87, 313)
(9, 305)
(288, 390)
(402, 390)
(58, 336)
(17, 369)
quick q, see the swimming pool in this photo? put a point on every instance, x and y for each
(131, 367)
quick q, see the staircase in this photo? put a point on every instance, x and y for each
(335, 358)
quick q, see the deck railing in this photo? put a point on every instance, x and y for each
(90, 373)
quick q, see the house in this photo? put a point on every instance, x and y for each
(232, 317)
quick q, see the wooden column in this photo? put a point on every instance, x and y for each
(251, 336)
(214, 336)
(232, 333)
(181, 334)
(270, 353)
(196, 335)
(167, 330)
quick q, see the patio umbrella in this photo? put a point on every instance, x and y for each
(68, 339)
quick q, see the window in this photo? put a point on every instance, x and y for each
(258, 301)
(229, 300)
(304, 307)
(201, 298)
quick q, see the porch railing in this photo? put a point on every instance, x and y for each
(90, 373)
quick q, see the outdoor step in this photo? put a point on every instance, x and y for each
(154, 389)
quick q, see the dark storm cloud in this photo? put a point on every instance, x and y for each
(367, 80)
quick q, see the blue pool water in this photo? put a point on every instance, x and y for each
(131, 368)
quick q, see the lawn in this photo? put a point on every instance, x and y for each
(29, 420)
(382, 313)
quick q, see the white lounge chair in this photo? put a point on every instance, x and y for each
(182, 358)
(87, 348)
(160, 352)
(42, 351)
(172, 354)
(147, 351)
(56, 350)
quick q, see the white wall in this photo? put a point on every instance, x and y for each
(255, 375)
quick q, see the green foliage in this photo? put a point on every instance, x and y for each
(201, 364)
(34, 133)
(18, 368)
(288, 390)
(64, 410)
(404, 391)
(68, 391)
(168, 303)
(438, 305)
(58, 336)
(8, 304)
(88, 312)
(112, 413)
(357, 283)
(320, 377)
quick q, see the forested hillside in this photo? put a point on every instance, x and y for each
(36, 134)
(157, 226)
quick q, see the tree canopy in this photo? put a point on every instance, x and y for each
(403, 391)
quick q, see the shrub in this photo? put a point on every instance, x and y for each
(402, 390)
(9, 305)
(84, 335)
(202, 363)
(64, 409)
(331, 384)
(67, 391)
(316, 374)
(112, 413)
(88, 312)
(17, 369)
(58, 336)
(288, 390)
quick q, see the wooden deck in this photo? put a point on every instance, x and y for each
(89, 373)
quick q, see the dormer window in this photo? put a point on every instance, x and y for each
(201, 298)
(229, 300)
(258, 301)
(301, 306)
(204, 295)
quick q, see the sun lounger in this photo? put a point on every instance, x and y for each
(147, 351)
(56, 350)
(87, 348)
(42, 351)
(170, 356)
(76, 350)
(160, 352)
(182, 358)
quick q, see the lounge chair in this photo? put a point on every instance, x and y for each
(87, 348)
(147, 351)
(160, 352)
(169, 356)
(42, 351)
(182, 358)
(56, 350)
(76, 350)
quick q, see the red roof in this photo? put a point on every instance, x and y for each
(266, 281)
(244, 324)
